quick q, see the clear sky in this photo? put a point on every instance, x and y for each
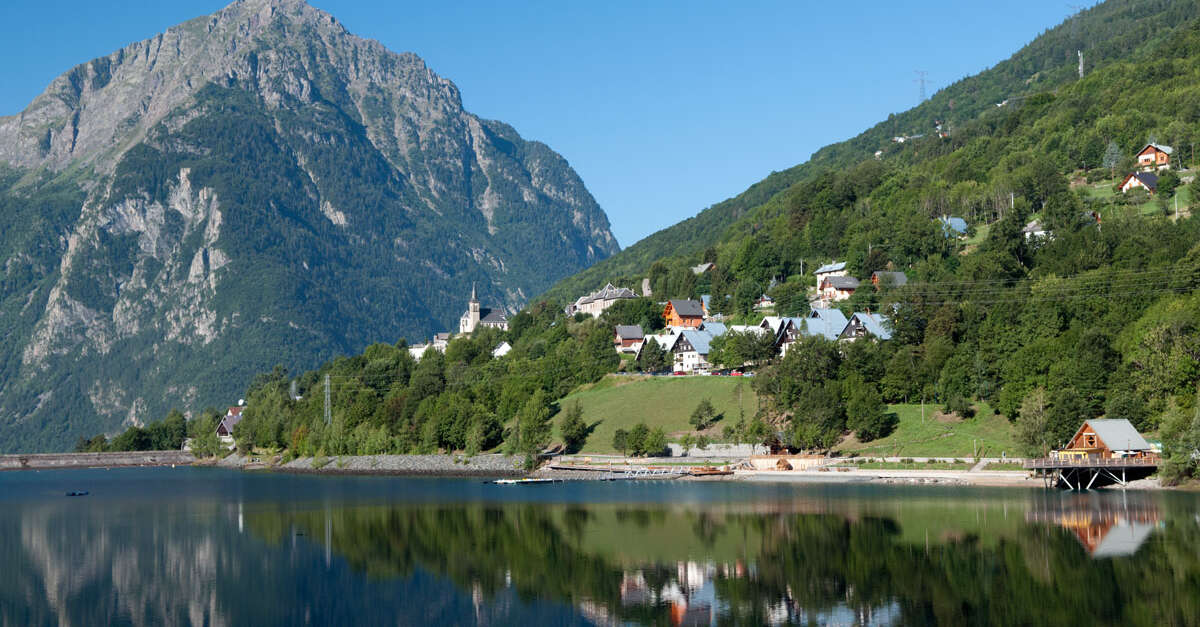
(664, 108)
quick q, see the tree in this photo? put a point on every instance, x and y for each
(686, 441)
(637, 439)
(818, 421)
(1112, 158)
(574, 430)
(1181, 442)
(654, 357)
(656, 442)
(703, 416)
(866, 414)
(1167, 184)
(620, 441)
(1033, 421)
(533, 425)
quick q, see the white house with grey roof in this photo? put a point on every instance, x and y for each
(595, 303)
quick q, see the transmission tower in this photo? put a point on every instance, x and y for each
(921, 79)
(328, 415)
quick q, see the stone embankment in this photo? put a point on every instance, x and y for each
(413, 465)
(38, 461)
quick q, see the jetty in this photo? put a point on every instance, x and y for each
(1101, 453)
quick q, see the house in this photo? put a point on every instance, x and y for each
(1145, 180)
(702, 268)
(1033, 230)
(691, 350)
(882, 278)
(1107, 439)
(628, 338)
(476, 316)
(231, 419)
(825, 323)
(837, 268)
(439, 343)
(837, 288)
(866, 325)
(595, 303)
(684, 313)
(953, 226)
(503, 349)
(764, 302)
(1154, 157)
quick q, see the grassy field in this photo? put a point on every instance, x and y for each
(935, 437)
(620, 402)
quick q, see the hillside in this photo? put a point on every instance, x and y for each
(254, 187)
(1118, 31)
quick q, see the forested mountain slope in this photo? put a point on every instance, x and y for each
(254, 187)
(1118, 30)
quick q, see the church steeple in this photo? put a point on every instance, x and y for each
(473, 299)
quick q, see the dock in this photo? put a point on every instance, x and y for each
(1085, 473)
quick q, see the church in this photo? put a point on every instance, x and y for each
(475, 316)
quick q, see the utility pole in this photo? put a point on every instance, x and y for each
(328, 418)
(921, 79)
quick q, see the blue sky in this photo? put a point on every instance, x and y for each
(664, 108)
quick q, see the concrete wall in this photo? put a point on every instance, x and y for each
(719, 450)
(94, 460)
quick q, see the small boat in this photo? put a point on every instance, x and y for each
(526, 481)
(709, 472)
(77, 493)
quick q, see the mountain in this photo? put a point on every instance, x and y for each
(1113, 32)
(251, 188)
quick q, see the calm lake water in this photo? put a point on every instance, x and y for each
(216, 547)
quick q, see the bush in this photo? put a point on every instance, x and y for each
(960, 405)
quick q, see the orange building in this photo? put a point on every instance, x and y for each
(684, 313)
(1154, 157)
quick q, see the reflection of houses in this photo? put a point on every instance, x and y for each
(1105, 527)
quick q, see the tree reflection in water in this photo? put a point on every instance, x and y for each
(686, 565)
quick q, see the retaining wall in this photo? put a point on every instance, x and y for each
(94, 460)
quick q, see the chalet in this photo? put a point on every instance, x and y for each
(627, 338)
(1154, 157)
(825, 323)
(764, 302)
(684, 313)
(477, 316)
(837, 288)
(953, 227)
(881, 279)
(1033, 230)
(691, 350)
(866, 325)
(231, 419)
(837, 268)
(1106, 439)
(595, 303)
(1145, 180)
(503, 349)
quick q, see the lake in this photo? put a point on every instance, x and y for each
(163, 546)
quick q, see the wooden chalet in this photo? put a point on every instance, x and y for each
(1145, 180)
(1106, 439)
(1101, 452)
(1154, 157)
(684, 313)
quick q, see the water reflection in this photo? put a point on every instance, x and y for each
(797, 555)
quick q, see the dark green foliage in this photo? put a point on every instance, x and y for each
(818, 419)
(654, 358)
(573, 429)
(655, 443)
(866, 414)
(636, 440)
(621, 441)
(960, 405)
(703, 416)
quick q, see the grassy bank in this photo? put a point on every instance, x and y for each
(620, 402)
(936, 436)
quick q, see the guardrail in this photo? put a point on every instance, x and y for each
(1092, 462)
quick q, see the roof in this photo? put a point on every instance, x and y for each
(833, 316)
(828, 328)
(714, 328)
(441, 337)
(235, 411)
(836, 266)
(608, 292)
(706, 300)
(1158, 147)
(1118, 434)
(891, 278)
(953, 224)
(875, 324)
(630, 331)
(774, 323)
(687, 308)
(1123, 539)
(702, 268)
(1149, 179)
(1033, 227)
(492, 316)
(699, 340)
(502, 349)
(840, 282)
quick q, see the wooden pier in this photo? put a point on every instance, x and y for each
(1087, 472)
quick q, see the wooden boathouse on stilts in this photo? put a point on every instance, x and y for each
(1101, 453)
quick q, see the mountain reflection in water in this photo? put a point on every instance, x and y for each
(403, 551)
